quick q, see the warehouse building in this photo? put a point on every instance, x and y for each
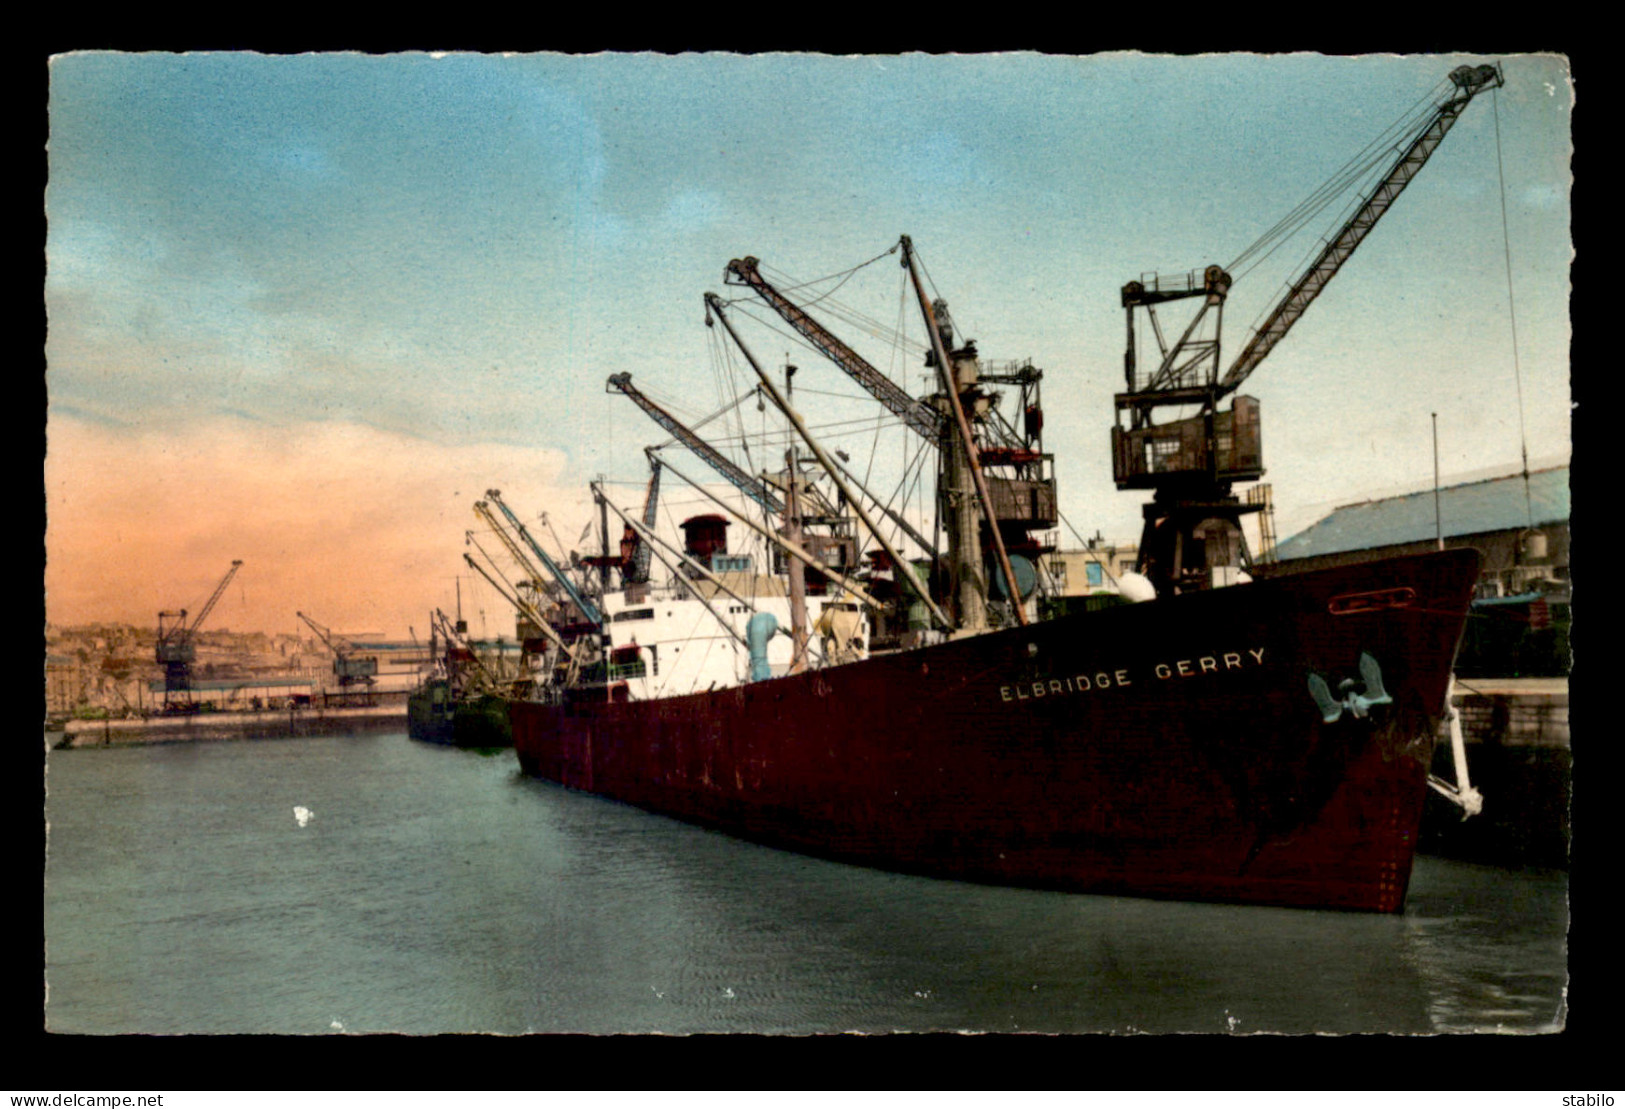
(1524, 541)
(1519, 623)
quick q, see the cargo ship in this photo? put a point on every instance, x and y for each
(461, 702)
(1173, 748)
(1208, 736)
(436, 713)
(1215, 737)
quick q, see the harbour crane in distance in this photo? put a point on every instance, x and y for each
(350, 670)
(1192, 536)
(177, 645)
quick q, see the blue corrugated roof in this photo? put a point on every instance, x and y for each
(1469, 509)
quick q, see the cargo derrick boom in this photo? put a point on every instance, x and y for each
(1192, 537)
(177, 646)
(841, 539)
(1016, 473)
(534, 590)
(588, 610)
(920, 417)
(754, 488)
(635, 553)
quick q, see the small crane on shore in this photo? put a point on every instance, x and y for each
(356, 676)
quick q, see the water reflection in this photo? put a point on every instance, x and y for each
(433, 889)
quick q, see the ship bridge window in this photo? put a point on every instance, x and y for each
(634, 614)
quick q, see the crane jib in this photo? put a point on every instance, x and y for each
(751, 487)
(588, 610)
(1469, 82)
(921, 417)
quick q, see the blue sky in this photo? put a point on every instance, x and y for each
(319, 285)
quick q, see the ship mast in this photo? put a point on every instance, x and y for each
(960, 462)
(797, 572)
(904, 571)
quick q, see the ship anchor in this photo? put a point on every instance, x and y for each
(1355, 701)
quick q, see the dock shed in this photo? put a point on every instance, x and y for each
(1519, 622)
(1491, 515)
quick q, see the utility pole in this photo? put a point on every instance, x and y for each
(1438, 519)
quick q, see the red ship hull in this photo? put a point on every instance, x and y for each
(1167, 749)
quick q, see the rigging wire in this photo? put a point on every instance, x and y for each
(845, 276)
(697, 424)
(1403, 130)
(784, 282)
(732, 380)
(856, 426)
(893, 338)
(839, 309)
(1372, 158)
(896, 342)
(779, 328)
(864, 399)
(1512, 312)
(916, 469)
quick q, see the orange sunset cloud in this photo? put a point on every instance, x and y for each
(361, 528)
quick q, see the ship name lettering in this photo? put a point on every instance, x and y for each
(1217, 663)
(1207, 664)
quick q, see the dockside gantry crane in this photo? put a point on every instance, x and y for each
(177, 645)
(1192, 537)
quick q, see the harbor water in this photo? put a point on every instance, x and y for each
(368, 883)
